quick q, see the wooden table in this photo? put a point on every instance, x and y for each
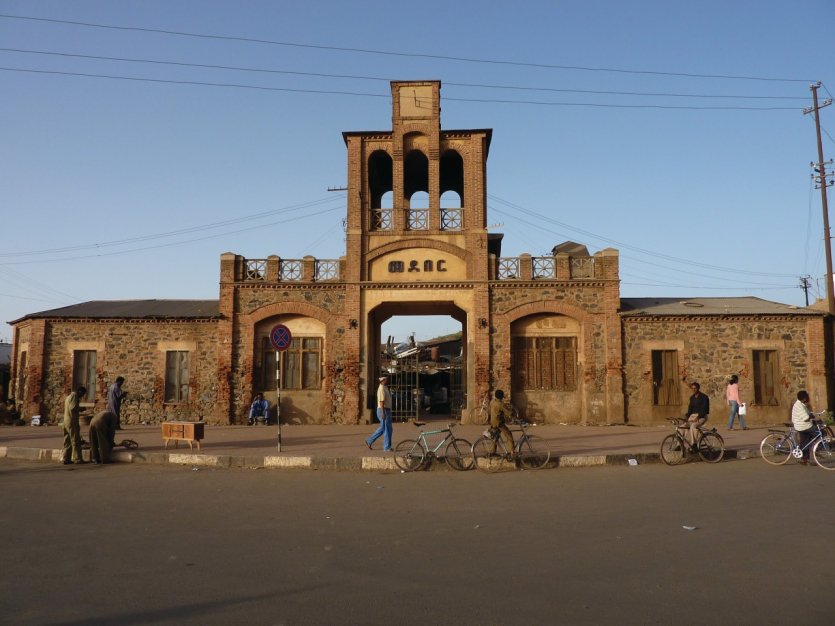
(183, 431)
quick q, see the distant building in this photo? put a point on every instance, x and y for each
(552, 330)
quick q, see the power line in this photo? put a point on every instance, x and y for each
(172, 244)
(373, 95)
(172, 233)
(401, 54)
(388, 79)
(196, 82)
(627, 246)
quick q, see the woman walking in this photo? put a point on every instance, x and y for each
(732, 394)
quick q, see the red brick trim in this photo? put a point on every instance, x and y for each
(407, 244)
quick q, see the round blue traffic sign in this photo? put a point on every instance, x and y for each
(280, 337)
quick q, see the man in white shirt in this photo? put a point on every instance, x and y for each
(384, 415)
(802, 421)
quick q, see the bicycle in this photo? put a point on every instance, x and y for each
(675, 448)
(412, 454)
(490, 453)
(779, 446)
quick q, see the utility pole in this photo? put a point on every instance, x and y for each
(804, 285)
(822, 183)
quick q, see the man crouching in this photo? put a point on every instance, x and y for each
(102, 431)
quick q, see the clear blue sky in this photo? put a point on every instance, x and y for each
(129, 189)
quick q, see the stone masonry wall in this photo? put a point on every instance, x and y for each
(710, 350)
(136, 351)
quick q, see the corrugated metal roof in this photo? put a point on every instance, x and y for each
(132, 309)
(709, 306)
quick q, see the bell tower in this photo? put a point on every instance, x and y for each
(416, 235)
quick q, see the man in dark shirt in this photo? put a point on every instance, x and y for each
(697, 412)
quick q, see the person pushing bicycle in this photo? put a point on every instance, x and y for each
(499, 414)
(697, 411)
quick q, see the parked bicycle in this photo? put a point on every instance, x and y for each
(675, 448)
(490, 452)
(412, 454)
(779, 446)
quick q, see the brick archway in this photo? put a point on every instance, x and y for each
(248, 322)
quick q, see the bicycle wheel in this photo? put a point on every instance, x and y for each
(673, 450)
(488, 455)
(409, 455)
(459, 455)
(776, 448)
(533, 452)
(824, 453)
(711, 447)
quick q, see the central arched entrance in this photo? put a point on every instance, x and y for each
(427, 370)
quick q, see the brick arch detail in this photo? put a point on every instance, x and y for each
(502, 322)
(418, 243)
(534, 308)
(288, 308)
(414, 128)
(246, 324)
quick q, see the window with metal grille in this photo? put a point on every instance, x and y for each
(765, 377)
(176, 376)
(545, 363)
(665, 387)
(84, 373)
(301, 364)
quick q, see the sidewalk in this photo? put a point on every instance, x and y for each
(340, 447)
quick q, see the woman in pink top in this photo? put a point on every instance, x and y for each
(732, 394)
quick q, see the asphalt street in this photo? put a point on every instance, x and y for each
(124, 544)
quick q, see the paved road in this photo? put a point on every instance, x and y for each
(169, 545)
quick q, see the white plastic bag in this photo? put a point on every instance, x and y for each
(743, 409)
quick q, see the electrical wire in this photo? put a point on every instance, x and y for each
(388, 80)
(626, 246)
(173, 233)
(401, 54)
(372, 95)
(172, 244)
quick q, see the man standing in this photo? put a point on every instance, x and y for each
(697, 412)
(102, 432)
(115, 395)
(72, 429)
(802, 421)
(498, 419)
(259, 408)
(384, 415)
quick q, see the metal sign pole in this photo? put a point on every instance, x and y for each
(278, 395)
(281, 338)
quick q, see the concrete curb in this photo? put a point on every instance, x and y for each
(367, 463)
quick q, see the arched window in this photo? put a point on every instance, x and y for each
(416, 190)
(452, 174)
(451, 200)
(415, 173)
(380, 186)
(452, 191)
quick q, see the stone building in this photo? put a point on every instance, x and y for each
(552, 330)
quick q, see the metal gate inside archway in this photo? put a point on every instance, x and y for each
(423, 384)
